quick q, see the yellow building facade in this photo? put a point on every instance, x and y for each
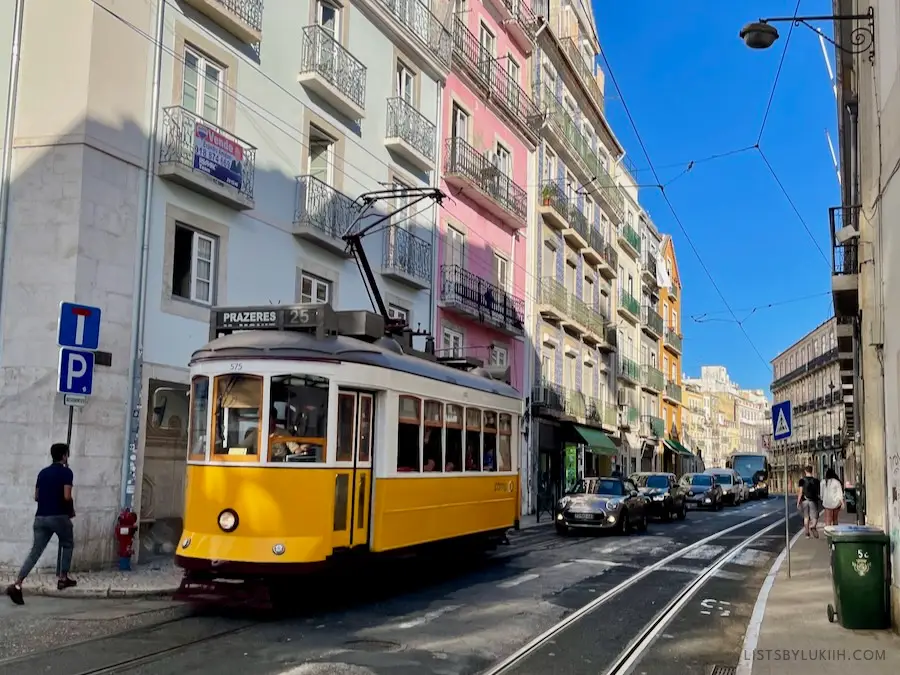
(671, 343)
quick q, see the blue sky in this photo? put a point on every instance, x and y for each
(695, 90)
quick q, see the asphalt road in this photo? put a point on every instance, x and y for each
(452, 618)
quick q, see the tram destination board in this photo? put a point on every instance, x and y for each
(317, 318)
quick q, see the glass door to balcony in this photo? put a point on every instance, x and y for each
(328, 49)
(405, 84)
(487, 48)
(201, 87)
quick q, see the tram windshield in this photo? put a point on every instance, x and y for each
(237, 414)
(298, 418)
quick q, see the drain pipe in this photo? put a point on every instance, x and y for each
(135, 368)
(12, 97)
(435, 226)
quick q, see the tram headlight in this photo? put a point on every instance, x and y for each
(228, 520)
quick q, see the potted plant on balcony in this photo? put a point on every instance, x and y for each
(547, 193)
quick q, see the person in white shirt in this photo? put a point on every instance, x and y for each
(832, 497)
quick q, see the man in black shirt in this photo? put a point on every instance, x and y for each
(55, 510)
(808, 499)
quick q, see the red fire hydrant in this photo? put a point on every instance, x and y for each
(126, 527)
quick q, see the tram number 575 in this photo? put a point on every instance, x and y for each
(503, 487)
(236, 367)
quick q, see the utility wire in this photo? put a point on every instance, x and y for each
(787, 43)
(704, 317)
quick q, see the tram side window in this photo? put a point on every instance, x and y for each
(454, 442)
(199, 417)
(298, 418)
(505, 452)
(490, 441)
(408, 434)
(433, 445)
(238, 403)
(473, 439)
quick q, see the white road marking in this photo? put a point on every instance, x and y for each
(428, 617)
(751, 637)
(590, 561)
(518, 580)
(559, 566)
(751, 557)
(705, 552)
(610, 547)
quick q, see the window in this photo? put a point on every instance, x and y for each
(630, 285)
(398, 313)
(588, 291)
(298, 418)
(503, 160)
(505, 440)
(451, 342)
(314, 289)
(321, 155)
(549, 165)
(569, 372)
(453, 438)
(455, 253)
(202, 86)
(487, 41)
(199, 417)
(405, 83)
(571, 187)
(501, 266)
(490, 461)
(473, 439)
(433, 445)
(460, 123)
(666, 314)
(571, 271)
(329, 17)
(460, 6)
(548, 363)
(499, 356)
(548, 266)
(409, 434)
(589, 211)
(512, 67)
(193, 265)
(237, 415)
(587, 380)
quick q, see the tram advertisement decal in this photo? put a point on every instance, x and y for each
(218, 156)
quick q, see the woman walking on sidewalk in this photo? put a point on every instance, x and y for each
(832, 497)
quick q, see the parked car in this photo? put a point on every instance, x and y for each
(602, 504)
(665, 495)
(731, 483)
(702, 491)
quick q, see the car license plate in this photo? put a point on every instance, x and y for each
(582, 516)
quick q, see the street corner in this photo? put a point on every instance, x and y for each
(141, 583)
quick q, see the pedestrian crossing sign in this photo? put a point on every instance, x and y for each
(781, 420)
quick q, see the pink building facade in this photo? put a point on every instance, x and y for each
(490, 128)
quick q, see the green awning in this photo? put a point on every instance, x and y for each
(677, 447)
(598, 442)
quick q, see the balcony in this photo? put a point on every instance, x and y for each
(407, 258)
(673, 392)
(610, 416)
(333, 73)
(630, 240)
(598, 329)
(629, 307)
(653, 379)
(629, 370)
(207, 159)
(652, 322)
(593, 253)
(521, 20)
(472, 296)
(493, 78)
(553, 300)
(609, 265)
(410, 134)
(576, 404)
(549, 399)
(584, 71)
(652, 427)
(560, 212)
(241, 18)
(493, 190)
(631, 417)
(323, 215)
(844, 261)
(648, 270)
(414, 23)
(673, 341)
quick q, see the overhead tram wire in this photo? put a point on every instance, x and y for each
(702, 317)
(787, 43)
(675, 215)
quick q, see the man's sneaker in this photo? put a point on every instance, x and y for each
(15, 594)
(63, 584)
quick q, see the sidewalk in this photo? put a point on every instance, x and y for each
(529, 521)
(143, 581)
(792, 626)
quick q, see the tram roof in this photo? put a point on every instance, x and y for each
(277, 342)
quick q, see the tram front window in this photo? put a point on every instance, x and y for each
(298, 418)
(237, 414)
(199, 416)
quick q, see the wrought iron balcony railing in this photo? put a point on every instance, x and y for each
(585, 72)
(554, 196)
(611, 255)
(424, 25)
(673, 391)
(629, 369)
(407, 253)
(411, 126)
(653, 378)
(649, 265)
(463, 160)
(242, 18)
(203, 148)
(554, 294)
(576, 404)
(325, 56)
(549, 396)
(629, 303)
(610, 415)
(632, 238)
(324, 208)
(492, 76)
(480, 298)
(652, 426)
(653, 320)
(844, 257)
(673, 340)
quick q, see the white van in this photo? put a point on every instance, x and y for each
(734, 490)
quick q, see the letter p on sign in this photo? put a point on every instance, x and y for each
(76, 372)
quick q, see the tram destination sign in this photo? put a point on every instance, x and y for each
(312, 317)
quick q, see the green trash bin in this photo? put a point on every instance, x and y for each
(859, 571)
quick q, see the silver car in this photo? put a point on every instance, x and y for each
(602, 504)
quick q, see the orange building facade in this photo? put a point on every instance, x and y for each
(670, 347)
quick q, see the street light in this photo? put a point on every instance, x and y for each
(760, 35)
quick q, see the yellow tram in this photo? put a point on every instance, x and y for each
(313, 434)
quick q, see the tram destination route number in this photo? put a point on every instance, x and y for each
(272, 318)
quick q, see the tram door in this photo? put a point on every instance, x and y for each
(353, 486)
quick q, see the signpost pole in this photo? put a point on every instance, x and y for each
(783, 429)
(787, 529)
(69, 427)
